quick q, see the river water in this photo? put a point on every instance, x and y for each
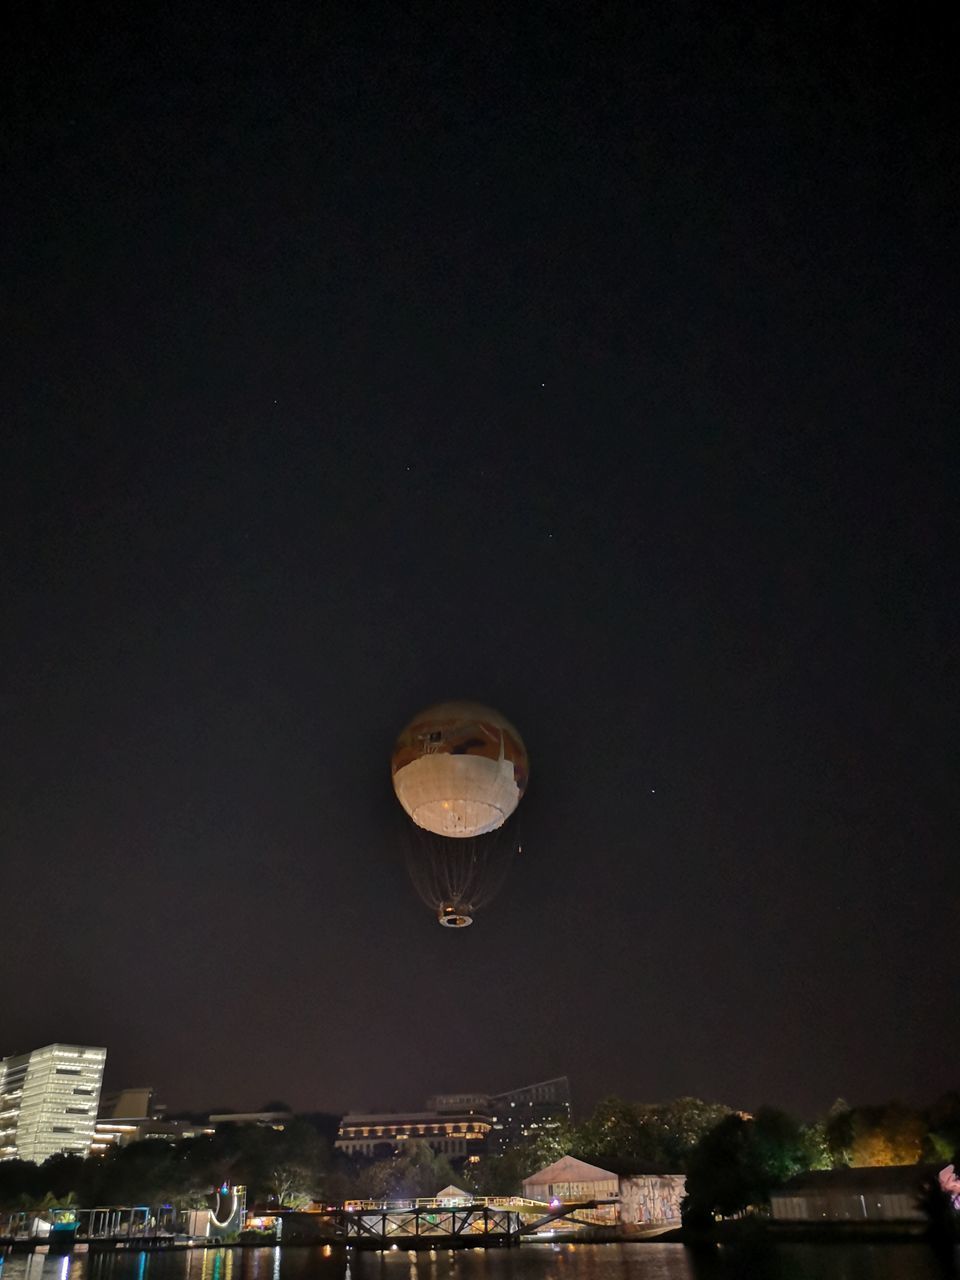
(888, 1261)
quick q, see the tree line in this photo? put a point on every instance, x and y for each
(732, 1160)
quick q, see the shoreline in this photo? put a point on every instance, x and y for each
(733, 1234)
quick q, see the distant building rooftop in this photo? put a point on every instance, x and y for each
(401, 1117)
(889, 1177)
(269, 1118)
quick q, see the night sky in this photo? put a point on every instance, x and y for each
(594, 361)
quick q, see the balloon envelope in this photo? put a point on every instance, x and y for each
(459, 769)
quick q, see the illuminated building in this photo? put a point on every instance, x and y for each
(648, 1197)
(516, 1116)
(569, 1181)
(124, 1130)
(49, 1100)
(461, 1125)
(132, 1116)
(456, 1136)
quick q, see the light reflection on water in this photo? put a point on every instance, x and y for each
(894, 1261)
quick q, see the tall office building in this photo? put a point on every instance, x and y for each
(49, 1100)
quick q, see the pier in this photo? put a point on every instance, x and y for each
(488, 1222)
(429, 1227)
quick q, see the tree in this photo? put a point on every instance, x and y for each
(777, 1147)
(720, 1178)
(61, 1175)
(889, 1135)
(293, 1185)
(839, 1132)
(503, 1175)
(662, 1134)
(943, 1128)
(17, 1179)
(736, 1165)
(141, 1173)
(681, 1124)
(616, 1130)
(816, 1146)
(415, 1171)
(550, 1144)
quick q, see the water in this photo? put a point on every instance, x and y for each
(891, 1261)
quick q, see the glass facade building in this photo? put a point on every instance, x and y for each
(49, 1100)
(520, 1115)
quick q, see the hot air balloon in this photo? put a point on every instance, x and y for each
(459, 771)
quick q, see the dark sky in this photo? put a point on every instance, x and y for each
(594, 361)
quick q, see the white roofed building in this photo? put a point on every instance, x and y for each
(643, 1198)
(452, 1196)
(572, 1181)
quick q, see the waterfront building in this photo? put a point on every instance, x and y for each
(881, 1193)
(645, 1197)
(572, 1181)
(48, 1101)
(651, 1199)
